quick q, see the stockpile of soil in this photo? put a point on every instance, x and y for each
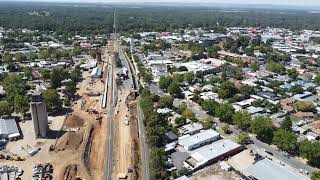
(70, 140)
(73, 121)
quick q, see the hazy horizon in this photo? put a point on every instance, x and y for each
(196, 2)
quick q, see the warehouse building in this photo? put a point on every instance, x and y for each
(9, 129)
(213, 153)
(199, 139)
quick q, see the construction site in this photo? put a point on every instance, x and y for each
(98, 137)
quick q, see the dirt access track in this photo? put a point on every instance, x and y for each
(81, 147)
(126, 159)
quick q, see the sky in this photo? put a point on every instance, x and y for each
(273, 2)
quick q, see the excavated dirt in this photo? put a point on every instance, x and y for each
(73, 121)
(70, 140)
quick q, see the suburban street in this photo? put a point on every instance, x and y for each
(258, 145)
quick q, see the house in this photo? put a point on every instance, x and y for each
(191, 128)
(199, 139)
(306, 115)
(311, 136)
(170, 137)
(255, 110)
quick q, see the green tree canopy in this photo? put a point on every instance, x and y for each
(242, 120)
(263, 128)
(285, 140)
(5, 108)
(21, 104)
(52, 99)
(166, 102)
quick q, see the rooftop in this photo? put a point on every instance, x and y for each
(266, 170)
(199, 137)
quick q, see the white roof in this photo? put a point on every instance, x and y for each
(198, 138)
(8, 127)
(206, 153)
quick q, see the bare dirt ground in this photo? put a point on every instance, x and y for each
(126, 146)
(214, 172)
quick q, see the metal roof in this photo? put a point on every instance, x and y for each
(199, 138)
(266, 170)
(8, 126)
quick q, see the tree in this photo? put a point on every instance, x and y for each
(7, 57)
(157, 163)
(20, 57)
(164, 82)
(243, 138)
(180, 121)
(188, 77)
(207, 123)
(254, 67)
(226, 128)
(286, 124)
(76, 51)
(166, 102)
(52, 99)
(263, 128)
(188, 114)
(285, 140)
(13, 85)
(56, 78)
(293, 73)
(174, 89)
(311, 151)
(315, 175)
(242, 120)
(227, 90)
(33, 56)
(44, 54)
(296, 89)
(275, 67)
(5, 108)
(71, 89)
(225, 112)
(317, 79)
(21, 104)
(305, 106)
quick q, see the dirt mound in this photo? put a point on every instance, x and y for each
(70, 173)
(73, 121)
(70, 140)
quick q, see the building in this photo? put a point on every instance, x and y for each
(213, 153)
(39, 117)
(191, 128)
(266, 169)
(96, 72)
(199, 139)
(9, 129)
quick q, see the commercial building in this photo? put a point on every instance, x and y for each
(9, 129)
(266, 169)
(199, 139)
(212, 153)
(39, 117)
